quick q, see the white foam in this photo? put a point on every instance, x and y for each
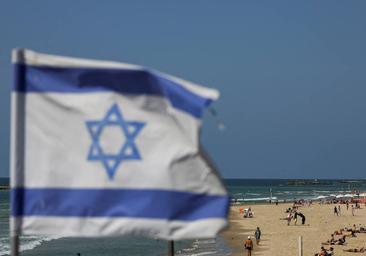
(24, 245)
(254, 199)
(204, 253)
(205, 241)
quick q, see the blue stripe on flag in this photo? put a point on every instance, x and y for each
(133, 203)
(42, 79)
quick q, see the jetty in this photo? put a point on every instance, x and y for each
(307, 182)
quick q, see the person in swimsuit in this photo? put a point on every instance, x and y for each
(362, 249)
(330, 252)
(302, 218)
(289, 217)
(257, 235)
(341, 241)
(248, 244)
(332, 239)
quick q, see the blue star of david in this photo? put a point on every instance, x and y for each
(128, 150)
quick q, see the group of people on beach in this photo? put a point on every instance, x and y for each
(337, 209)
(337, 238)
(293, 214)
(342, 234)
(325, 252)
(247, 212)
(248, 244)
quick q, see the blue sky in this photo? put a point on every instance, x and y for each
(291, 73)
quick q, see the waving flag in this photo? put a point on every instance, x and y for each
(106, 148)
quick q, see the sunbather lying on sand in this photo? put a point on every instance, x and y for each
(358, 230)
(325, 252)
(350, 234)
(322, 252)
(332, 240)
(340, 232)
(362, 249)
(340, 241)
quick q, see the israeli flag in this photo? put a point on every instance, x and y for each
(103, 148)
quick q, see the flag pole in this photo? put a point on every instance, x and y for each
(17, 159)
(14, 245)
(170, 248)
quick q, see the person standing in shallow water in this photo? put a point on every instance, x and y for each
(257, 235)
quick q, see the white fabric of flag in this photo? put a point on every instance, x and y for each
(103, 148)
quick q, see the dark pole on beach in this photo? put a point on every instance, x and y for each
(270, 192)
(171, 248)
(14, 243)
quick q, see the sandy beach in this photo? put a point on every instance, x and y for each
(282, 240)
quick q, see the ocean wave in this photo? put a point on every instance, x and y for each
(199, 247)
(204, 253)
(206, 241)
(324, 191)
(191, 252)
(254, 199)
(301, 192)
(26, 243)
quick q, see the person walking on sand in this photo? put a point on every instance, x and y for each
(248, 244)
(347, 205)
(257, 235)
(335, 210)
(339, 210)
(353, 210)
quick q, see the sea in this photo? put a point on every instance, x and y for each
(249, 191)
